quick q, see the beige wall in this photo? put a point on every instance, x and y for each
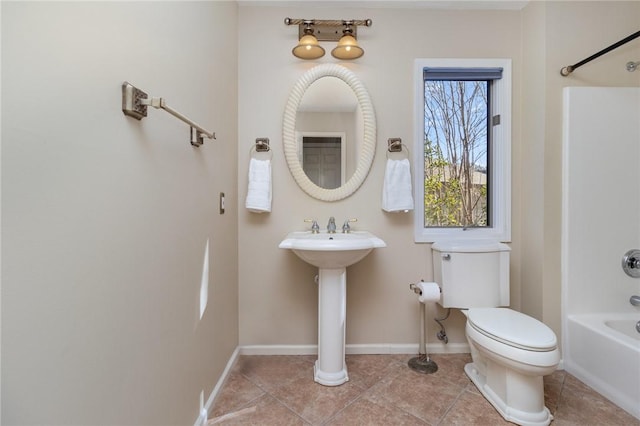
(277, 294)
(532, 158)
(278, 297)
(105, 219)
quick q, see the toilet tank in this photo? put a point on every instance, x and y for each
(472, 274)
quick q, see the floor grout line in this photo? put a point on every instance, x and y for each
(444, 415)
(271, 395)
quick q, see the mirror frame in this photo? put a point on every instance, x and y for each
(367, 151)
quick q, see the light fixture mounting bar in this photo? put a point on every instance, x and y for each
(328, 29)
(324, 32)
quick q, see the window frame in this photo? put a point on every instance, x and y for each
(499, 152)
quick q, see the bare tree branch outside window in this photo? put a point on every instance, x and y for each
(455, 153)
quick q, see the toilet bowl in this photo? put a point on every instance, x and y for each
(510, 351)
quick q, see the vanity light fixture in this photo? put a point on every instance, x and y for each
(310, 31)
(308, 47)
(347, 47)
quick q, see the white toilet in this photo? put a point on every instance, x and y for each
(511, 352)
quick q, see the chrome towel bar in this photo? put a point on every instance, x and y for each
(135, 103)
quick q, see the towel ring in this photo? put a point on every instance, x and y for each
(403, 148)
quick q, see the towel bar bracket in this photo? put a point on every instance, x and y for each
(132, 101)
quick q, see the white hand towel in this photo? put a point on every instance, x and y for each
(259, 188)
(397, 194)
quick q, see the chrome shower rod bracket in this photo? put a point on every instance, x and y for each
(135, 103)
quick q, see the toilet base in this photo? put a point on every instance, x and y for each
(516, 396)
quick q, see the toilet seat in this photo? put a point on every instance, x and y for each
(512, 328)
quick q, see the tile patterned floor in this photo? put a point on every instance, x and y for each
(382, 390)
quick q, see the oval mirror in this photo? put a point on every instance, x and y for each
(316, 100)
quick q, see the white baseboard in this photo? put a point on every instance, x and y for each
(278, 350)
(202, 418)
(355, 349)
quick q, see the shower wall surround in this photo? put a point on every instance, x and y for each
(601, 206)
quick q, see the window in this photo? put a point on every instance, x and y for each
(462, 149)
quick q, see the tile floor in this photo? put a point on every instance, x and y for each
(279, 390)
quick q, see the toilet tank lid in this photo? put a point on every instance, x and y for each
(470, 246)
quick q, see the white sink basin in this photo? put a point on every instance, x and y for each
(331, 251)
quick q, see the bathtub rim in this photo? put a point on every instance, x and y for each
(597, 323)
(635, 335)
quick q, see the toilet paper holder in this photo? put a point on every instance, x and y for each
(416, 289)
(422, 363)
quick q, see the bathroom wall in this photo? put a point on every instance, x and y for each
(558, 34)
(532, 160)
(105, 219)
(278, 296)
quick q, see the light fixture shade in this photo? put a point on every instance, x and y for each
(347, 48)
(308, 48)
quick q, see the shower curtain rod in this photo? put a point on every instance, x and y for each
(571, 68)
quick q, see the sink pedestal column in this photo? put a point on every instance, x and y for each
(330, 368)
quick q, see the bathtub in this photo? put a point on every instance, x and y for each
(603, 351)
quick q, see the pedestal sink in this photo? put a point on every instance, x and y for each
(331, 253)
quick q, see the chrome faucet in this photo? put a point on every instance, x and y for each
(315, 228)
(635, 300)
(346, 228)
(331, 226)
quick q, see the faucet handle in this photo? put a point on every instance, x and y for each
(346, 228)
(315, 228)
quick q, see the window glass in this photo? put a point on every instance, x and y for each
(456, 117)
(462, 140)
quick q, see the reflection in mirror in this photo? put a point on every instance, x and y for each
(329, 132)
(329, 109)
(323, 158)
